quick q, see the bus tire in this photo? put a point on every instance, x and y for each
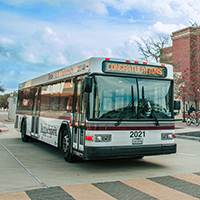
(66, 146)
(24, 137)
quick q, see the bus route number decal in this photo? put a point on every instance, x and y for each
(137, 134)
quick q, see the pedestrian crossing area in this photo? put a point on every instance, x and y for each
(181, 186)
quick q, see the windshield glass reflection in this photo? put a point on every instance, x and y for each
(130, 98)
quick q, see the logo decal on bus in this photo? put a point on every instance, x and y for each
(48, 130)
(64, 72)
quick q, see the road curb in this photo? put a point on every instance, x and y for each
(9, 120)
(188, 137)
(3, 130)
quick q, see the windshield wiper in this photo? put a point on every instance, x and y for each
(153, 114)
(143, 108)
(131, 103)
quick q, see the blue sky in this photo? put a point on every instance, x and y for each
(39, 36)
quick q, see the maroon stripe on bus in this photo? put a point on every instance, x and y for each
(46, 115)
(89, 128)
(55, 117)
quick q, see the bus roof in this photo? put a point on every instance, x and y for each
(90, 65)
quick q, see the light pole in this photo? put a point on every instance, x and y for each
(198, 103)
(183, 84)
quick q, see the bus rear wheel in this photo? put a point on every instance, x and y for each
(66, 146)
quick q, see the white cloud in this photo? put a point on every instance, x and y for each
(5, 40)
(176, 10)
(31, 57)
(61, 59)
(97, 6)
(19, 3)
(44, 45)
(131, 40)
(47, 36)
(161, 28)
(168, 8)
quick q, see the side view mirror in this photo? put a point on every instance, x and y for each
(177, 105)
(88, 84)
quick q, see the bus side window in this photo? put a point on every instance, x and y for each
(45, 98)
(19, 100)
(77, 108)
(70, 103)
(67, 96)
(25, 99)
(37, 96)
(55, 96)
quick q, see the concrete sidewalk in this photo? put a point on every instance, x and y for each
(7, 127)
(187, 132)
(181, 127)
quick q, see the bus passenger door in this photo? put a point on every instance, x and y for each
(79, 118)
(82, 118)
(35, 114)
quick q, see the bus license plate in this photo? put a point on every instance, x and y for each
(136, 141)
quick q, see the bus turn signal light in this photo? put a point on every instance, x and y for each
(89, 138)
(70, 122)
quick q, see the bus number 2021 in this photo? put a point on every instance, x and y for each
(135, 134)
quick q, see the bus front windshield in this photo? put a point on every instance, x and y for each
(130, 98)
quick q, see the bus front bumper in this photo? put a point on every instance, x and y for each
(95, 153)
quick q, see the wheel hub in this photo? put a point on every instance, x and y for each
(65, 143)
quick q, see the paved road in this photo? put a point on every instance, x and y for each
(37, 171)
(183, 186)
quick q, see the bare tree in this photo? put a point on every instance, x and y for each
(1, 88)
(194, 23)
(151, 49)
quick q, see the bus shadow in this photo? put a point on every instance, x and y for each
(94, 166)
(121, 164)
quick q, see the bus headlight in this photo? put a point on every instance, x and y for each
(98, 138)
(102, 138)
(167, 136)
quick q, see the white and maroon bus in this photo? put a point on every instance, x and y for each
(101, 108)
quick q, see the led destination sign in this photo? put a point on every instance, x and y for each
(134, 69)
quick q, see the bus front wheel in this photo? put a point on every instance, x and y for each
(24, 137)
(65, 147)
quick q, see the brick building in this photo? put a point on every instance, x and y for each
(184, 54)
